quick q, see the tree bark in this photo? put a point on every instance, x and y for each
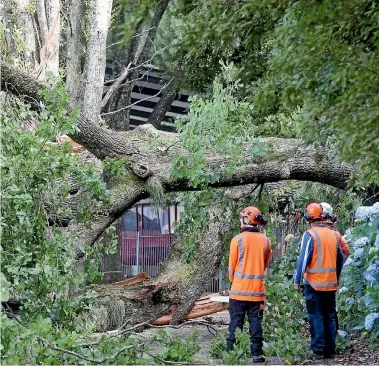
(94, 67)
(75, 46)
(167, 97)
(50, 49)
(17, 16)
(42, 20)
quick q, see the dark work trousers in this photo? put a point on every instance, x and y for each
(321, 308)
(237, 310)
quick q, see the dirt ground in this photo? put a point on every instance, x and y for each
(359, 354)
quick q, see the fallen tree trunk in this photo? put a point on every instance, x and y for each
(176, 288)
(151, 154)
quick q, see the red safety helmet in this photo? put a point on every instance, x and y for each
(313, 212)
(252, 216)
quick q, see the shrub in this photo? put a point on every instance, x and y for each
(358, 296)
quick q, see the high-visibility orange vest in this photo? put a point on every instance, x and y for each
(321, 273)
(249, 255)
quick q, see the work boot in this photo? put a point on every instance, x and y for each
(259, 359)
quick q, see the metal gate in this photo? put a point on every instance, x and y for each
(144, 251)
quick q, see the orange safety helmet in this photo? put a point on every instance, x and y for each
(253, 215)
(313, 212)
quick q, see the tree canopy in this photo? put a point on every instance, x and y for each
(283, 110)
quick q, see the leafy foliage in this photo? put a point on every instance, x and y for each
(285, 264)
(308, 68)
(36, 258)
(38, 266)
(177, 348)
(284, 338)
(326, 56)
(216, 126)
(344, 203)
(240, 353)
(359, 285)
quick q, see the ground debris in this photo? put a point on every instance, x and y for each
(360, 354)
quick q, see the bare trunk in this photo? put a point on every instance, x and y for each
(42, 20)
(94, 69)
(17, 16)
(163, 106)
(75, 46)
(53, 38)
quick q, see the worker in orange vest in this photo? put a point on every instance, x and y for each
(330, 219)
(320, 263)
(250, 253)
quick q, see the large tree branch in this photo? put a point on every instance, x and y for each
(124, 196)
(152, 154)
(21, 84)
(293, 160)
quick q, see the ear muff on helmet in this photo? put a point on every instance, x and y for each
(307, 216)
(261, 219)
(330, 218)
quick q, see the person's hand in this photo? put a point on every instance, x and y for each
(297, 287)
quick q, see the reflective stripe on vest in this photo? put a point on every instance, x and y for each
(231, 271)
(324, 284)
(249, 276)
(246, 293)
(240, 248)
(322, 270)
(319, 268)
